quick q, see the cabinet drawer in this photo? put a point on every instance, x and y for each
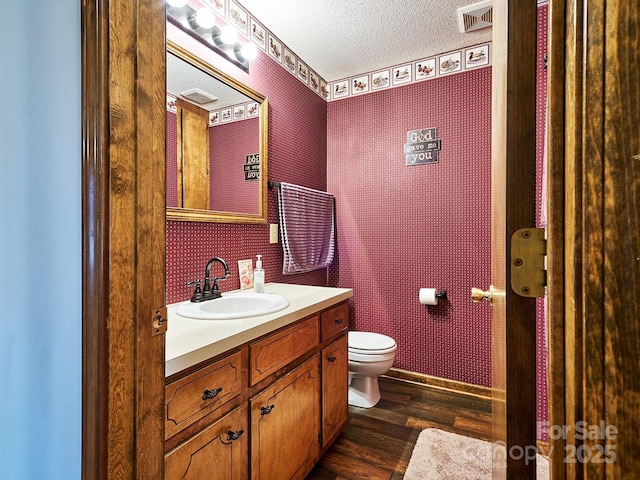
(219, 452)
(274, 352)
(334, 320)
(194, 396)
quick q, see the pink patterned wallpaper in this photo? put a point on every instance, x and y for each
(172, 160)
(541, 98)
(402, 227)
(229, 144)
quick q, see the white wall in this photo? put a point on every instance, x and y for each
(40, 240)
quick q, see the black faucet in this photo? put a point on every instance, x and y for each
(209, 291)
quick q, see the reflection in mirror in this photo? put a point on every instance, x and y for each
(216, 144)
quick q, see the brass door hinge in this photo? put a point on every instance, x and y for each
(528, 266)
(159, 321)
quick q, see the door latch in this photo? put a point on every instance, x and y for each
(158, 321)
(528, 262)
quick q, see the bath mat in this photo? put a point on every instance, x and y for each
(440, 455)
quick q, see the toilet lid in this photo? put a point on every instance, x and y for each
(370, 342)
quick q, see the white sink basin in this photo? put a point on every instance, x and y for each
(233, 306)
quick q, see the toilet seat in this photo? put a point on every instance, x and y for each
(369, 358)
(369, 343)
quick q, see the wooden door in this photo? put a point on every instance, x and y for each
(194, 186)
(285, 425)
(594, 137)
(123, 222)
(513, 207)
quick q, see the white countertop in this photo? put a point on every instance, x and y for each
(190, 341)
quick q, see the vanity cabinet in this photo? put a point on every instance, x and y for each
(266, 410)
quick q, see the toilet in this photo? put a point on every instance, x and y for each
(370, 355)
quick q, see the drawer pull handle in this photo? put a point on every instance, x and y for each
(266, 410)
(231, 435)
(209, 394)
(331, 359)
(339, 321)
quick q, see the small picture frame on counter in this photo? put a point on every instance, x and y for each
(245, 274)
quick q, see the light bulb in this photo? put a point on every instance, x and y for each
(249, 51)
(229, 35)
(177, 3)
(205, 18)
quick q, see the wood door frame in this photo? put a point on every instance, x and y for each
(123, 232)
(513, 173)
(556, 66)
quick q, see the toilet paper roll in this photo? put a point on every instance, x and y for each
(428, 296)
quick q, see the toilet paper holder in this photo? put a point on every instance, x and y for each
(431, 296)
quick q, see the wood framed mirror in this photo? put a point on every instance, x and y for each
(217, 131)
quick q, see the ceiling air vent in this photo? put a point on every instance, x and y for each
(476, 16)
(198, 96)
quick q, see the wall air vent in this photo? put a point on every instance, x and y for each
(195, 95)
(476, 16)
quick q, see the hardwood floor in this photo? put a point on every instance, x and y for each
(377, 443)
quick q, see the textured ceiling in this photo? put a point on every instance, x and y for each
(344, 38)
(181, 77)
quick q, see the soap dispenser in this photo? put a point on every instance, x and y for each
(258, 275)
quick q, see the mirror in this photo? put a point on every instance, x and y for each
(216, 144)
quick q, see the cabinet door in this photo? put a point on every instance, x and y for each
(285, 425)
(220, 452)
(335, 388)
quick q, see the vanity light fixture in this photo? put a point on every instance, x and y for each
(203, 17)
(229, 35)
(216, 36)
(248, 51)
(224, 36)
(200, 23)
